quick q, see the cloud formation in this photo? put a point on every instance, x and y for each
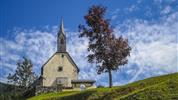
(154, 48)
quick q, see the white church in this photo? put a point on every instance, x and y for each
(60, 68)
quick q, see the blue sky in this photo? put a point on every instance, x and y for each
(29, 28)
(32, 13)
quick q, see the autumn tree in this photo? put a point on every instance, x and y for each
(107, 51)
(24, 75)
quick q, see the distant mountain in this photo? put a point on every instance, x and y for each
(156, 88)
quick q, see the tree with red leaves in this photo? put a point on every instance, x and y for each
(107, 51)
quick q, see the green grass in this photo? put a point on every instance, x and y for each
(155, 88)
(50, 96)
(167, 90)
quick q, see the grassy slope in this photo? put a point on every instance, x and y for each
(162, 87)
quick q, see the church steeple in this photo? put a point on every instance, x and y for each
(61, 39)
(62, 26)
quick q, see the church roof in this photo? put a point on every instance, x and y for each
(83, 81)
(69, 57)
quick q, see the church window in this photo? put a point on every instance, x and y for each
(62, 55)
(62, 41)
(60, 69)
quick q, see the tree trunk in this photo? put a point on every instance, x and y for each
(110, 78)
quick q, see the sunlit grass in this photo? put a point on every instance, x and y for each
(162, 87)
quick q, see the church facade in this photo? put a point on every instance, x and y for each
(60, 68)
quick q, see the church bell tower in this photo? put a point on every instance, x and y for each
(61, 39)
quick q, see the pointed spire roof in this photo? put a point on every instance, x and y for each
(62, 26)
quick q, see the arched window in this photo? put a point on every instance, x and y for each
(62, 41)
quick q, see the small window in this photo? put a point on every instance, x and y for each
(62, 41)
(62, 55)
(60, 69)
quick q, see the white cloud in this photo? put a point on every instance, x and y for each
(148, 11)
(166, 10)
(154, 49)
(114, 17)
(36, 45)
(154, 46)
(131, 8)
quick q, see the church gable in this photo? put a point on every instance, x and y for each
(59, 59)
(58, 66)
(61, 55)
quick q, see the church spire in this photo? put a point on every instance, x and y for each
(62, 26)
(61, 39)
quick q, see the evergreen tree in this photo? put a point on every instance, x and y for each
(24, 75)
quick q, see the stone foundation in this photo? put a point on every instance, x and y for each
(43, 89)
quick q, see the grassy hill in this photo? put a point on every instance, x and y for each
(157, 88)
